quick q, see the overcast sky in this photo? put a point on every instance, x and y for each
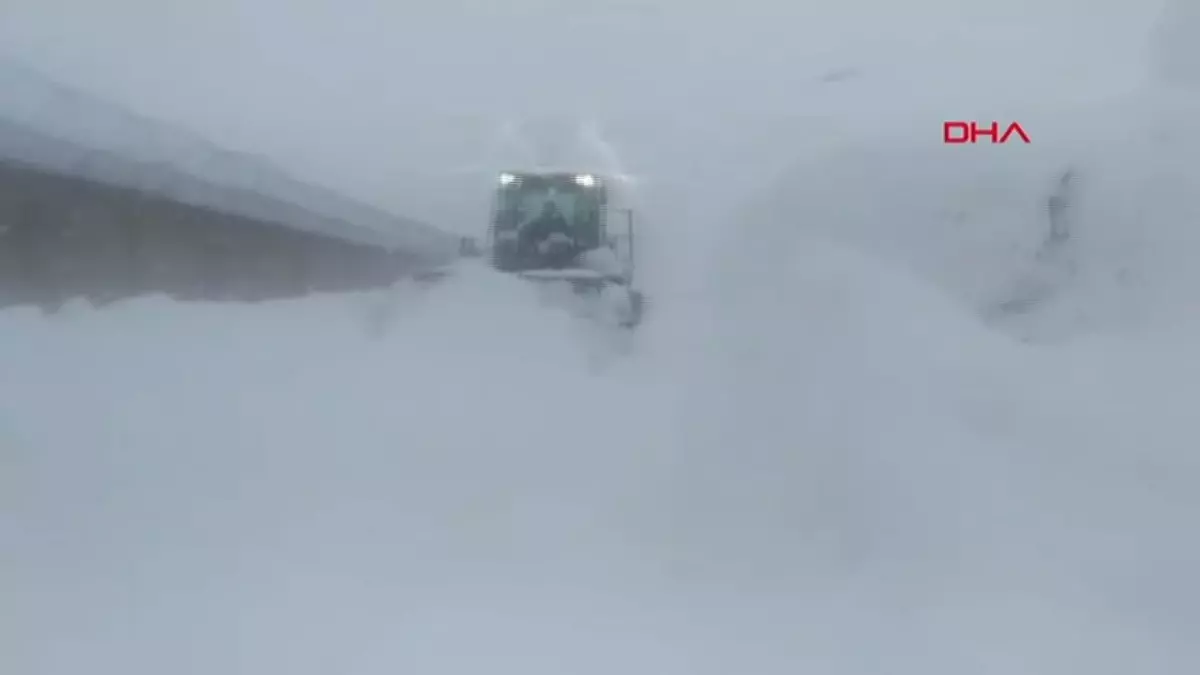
(390, 101)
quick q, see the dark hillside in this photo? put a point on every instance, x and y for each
(63, 237)
(99, 202)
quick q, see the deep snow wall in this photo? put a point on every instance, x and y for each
(939, 418)
(72, 132)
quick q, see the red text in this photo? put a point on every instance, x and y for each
(969, 132)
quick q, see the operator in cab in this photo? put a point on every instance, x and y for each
(549, 238)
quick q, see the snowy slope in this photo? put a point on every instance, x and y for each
(66, 130)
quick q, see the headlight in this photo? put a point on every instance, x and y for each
(585, 179)
(507, 179)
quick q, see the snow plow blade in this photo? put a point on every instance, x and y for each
(582, 276)
(612, 291)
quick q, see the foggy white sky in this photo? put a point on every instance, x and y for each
(383, 100)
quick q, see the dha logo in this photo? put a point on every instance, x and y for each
(962, 131)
